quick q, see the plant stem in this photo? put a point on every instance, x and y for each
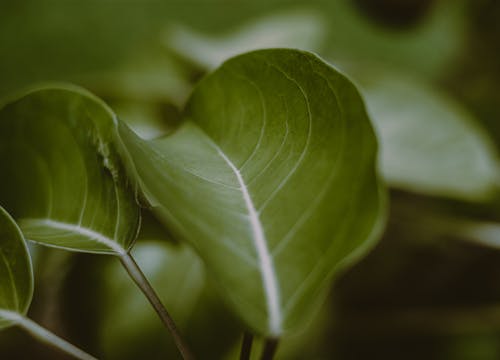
(246, 346)
(142, 282)
(270, 348)
(46, 336)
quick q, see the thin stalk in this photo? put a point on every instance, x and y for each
(48, 337)
(246, 346)
(270, 348)
(142, 282)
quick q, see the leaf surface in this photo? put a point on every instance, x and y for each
(62, 174)
(16, 274)
(271, 178)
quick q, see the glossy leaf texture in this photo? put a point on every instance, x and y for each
(429, 143)
(272, 179)
(16, 274)
(62, 174)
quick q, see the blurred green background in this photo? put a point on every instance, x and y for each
(430, 73)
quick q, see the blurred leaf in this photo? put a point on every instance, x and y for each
(485, 233)
(272, 180)
(63, 177)
(429, 143)
(425, 49)
(69, 41)
(150, 75)
(302, 29)
(60, 39)
(16, 274)
(180, 277)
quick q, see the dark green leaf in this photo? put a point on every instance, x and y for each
(272, 179)
(62, 174)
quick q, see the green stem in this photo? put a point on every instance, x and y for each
(270, 348)
(142, 282)
(246, 346)
(46, 336)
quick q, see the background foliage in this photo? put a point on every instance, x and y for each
(429, 290)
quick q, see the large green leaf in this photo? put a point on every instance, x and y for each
(271, 178)
(429, 143)
(16, 274)
(62, 174)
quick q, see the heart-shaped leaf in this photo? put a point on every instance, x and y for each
(62, 174)
(271, 178)
(16, 274)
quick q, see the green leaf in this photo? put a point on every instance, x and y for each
(16, 274)
(426, 49)
(62, 174)
(272, 179)
(153, 74)
(429, 143)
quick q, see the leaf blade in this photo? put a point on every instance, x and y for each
(276, 116)
(65, 182)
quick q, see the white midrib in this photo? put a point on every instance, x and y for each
(265, 260)
(80, 230)
(10, 315)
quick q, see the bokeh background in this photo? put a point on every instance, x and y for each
(430, 73)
